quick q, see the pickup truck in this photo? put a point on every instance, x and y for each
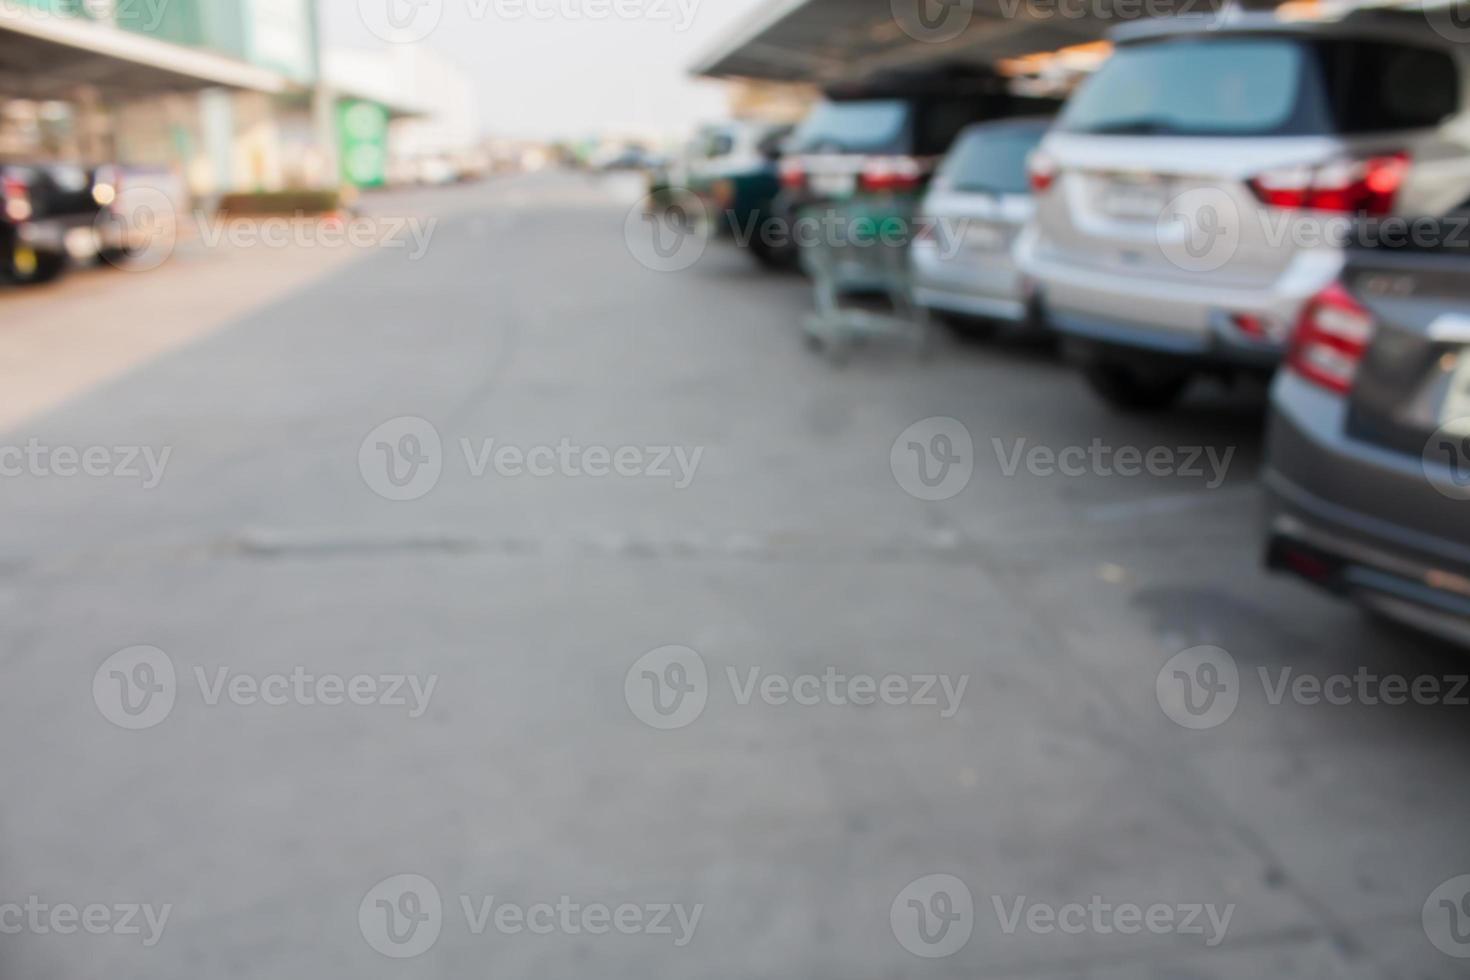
(49, 217)
(1368, 465)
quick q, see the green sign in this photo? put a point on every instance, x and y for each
(363, 133)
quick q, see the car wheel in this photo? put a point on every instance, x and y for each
(1132, 388)
(773, 257)
(965, 328)
(1036, 327)
(116, 257)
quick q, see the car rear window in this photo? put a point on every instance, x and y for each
(718, 144)
(854, 127)
(1241, 87)
(991, 160)
(1265, 86)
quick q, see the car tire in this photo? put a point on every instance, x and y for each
(772, 257)
(1036, 326)
(1131, 388)
(116, 257)
(966, 329)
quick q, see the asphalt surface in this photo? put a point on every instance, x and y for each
(539, 769)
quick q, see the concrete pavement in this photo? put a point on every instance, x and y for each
(565, 756)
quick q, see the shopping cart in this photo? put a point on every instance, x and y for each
(862, 282)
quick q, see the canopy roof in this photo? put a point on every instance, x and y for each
(828, 41)
(45, 55)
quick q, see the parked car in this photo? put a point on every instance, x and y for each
(979, 201)
(868, 152)
(1171, 193)
(1368, 459)
(733, 168)
(670, 178)
(625, 158)
(49, 218)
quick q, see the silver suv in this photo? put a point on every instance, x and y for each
(1197, 192)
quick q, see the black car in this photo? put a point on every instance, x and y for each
(887, 136)
(49, 217)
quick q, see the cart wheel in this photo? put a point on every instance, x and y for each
(839, 354)
(813, 343)
(928, 344)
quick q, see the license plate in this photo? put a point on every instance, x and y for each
(26, 261)
(81, 243)
(834, 185)
(1140, 201)
(983, 238)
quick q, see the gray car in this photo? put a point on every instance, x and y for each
(1187, 196)
(1368, 462)
(962, 263)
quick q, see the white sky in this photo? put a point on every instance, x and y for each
(548, 69)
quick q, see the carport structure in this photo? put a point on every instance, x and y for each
(834, 41)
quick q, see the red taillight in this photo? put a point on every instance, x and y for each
(1367, 186)
(793, 174)
(1331, 339)
(1250, 324)
(882, 175)
(1042, 170)
(17, 198)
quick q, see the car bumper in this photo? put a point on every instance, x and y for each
(1329, 554)
(1219, 347)
(1192, 321)
(972, 284)
(970, 303)
(1359, 521)
(79, 236)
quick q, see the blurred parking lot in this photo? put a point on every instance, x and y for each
(654, 645)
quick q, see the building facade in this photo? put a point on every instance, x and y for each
(218, 92)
